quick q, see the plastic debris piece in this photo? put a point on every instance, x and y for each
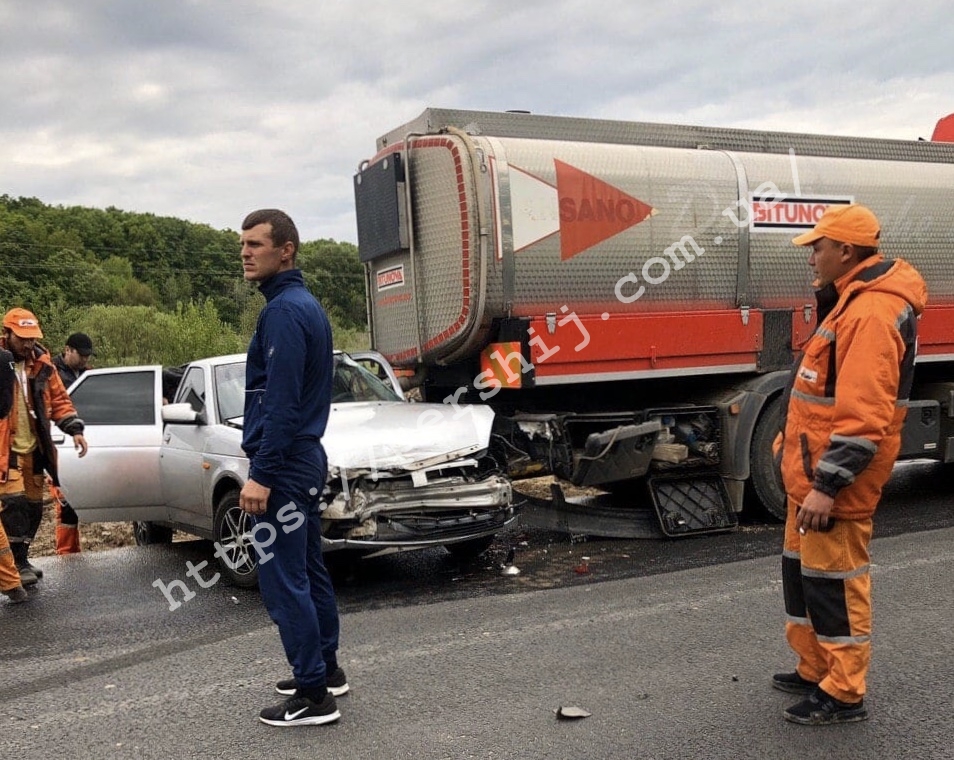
(508, 568)
(571, 712)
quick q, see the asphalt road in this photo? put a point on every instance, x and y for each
(668, 644)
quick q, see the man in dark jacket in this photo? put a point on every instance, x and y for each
(70, 365)
(287, 401)
(75, 358)
(10, 582)
(8, 376)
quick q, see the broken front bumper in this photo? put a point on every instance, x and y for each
(393, 512)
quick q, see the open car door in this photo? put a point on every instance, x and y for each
(118, 479)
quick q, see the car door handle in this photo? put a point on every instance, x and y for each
(167, 437)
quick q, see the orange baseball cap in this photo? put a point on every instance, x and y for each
(23, 323)
(851, 223)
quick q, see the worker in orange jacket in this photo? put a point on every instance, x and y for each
(26, 446)
(10, 584)
(839, 441)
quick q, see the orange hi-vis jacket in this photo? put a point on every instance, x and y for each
(847, 394)
(47, 400)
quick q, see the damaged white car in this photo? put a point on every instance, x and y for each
(401, 475)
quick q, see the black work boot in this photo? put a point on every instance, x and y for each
(32, 568)
(35, 514)
(17, 595)
(27, 572)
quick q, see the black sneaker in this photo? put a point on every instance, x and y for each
(821, 709)
(337, 684)
(301, 711)
(793, 683)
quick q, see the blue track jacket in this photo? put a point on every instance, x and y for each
(287, 378)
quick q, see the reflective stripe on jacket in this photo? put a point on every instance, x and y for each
(846, 398)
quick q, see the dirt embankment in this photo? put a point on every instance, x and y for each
(93, 537)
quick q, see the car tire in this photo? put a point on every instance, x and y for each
(149, 533)
(236, 555)
(764, 477)
(469, 550)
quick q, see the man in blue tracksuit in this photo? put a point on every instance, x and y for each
(287, 400)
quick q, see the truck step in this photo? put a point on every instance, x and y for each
(692, 505)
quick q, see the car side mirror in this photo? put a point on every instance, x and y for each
(181, 414)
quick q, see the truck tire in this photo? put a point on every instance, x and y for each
(232, 528)
(149, 533)
(764, 477)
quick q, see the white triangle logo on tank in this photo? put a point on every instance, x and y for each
(535, 209)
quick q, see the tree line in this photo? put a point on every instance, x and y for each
(154, 290)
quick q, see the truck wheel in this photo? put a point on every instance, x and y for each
(148, 533)
(467, 551)
(764, 478)
(232, 531)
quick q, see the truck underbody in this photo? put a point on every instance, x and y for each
(679, 463)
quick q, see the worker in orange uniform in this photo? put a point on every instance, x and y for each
(26, 446)
(10, 584)
(840, 437)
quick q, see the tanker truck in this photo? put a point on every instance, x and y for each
(627, 297)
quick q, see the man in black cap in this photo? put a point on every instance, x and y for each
(72, 363)
(75, 357)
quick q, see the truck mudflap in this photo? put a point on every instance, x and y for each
(690, 505)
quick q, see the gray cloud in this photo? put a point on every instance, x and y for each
(203, 109)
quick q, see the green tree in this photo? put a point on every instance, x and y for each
(154, 289)
(335, 274)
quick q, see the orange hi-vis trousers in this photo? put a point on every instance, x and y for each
(67, 523)
(827, 589)
(9, 575)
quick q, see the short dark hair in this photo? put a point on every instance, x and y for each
(865, 252)
(283, 228)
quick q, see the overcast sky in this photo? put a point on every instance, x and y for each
(206, 109)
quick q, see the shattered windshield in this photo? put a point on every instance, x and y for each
(352, 382)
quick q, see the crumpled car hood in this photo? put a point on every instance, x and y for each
(393, 435)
